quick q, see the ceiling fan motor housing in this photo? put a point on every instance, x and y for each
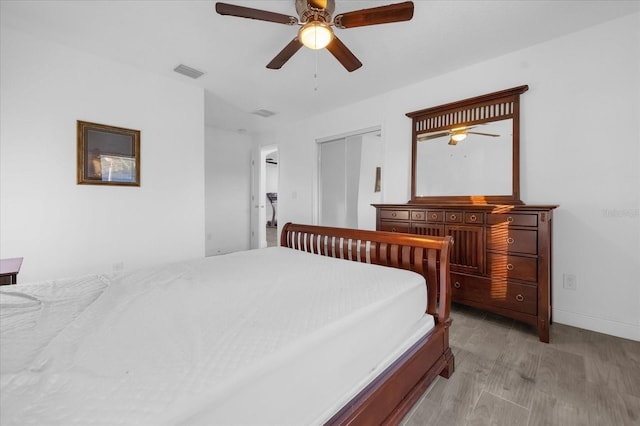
(308, 12)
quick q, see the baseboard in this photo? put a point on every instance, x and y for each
(601, 325)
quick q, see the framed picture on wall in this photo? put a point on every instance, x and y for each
(108, 155)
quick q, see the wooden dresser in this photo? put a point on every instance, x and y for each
(501, 256)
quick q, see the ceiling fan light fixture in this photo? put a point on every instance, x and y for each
(315, 35)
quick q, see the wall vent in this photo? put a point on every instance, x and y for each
(264, 113)
(188, 71)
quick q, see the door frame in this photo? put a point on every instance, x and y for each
(258, 194)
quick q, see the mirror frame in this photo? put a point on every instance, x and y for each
(495, 106)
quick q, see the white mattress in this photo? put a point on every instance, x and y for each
(272, 336)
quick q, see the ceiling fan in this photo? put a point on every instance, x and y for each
(455, 135)
(315, 26)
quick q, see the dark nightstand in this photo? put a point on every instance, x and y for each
(9, 269)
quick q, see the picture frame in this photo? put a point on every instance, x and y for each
(108, 155)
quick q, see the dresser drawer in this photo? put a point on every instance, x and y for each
(394, 226)
(473, 217)
(512, 219)
(514, 267)
(394, 214)
(496, 292)
(454, 217)
(435, 216)
(418, 215)
(513, 240)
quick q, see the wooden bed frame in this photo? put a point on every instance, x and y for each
(392, 394)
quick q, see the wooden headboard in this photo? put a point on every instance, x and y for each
(428, 256)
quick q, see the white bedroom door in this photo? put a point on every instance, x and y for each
(254, 203)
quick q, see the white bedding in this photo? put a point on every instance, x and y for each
(255, 337)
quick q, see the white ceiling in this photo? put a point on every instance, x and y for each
(156, 36)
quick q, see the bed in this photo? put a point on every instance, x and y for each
(325, 333)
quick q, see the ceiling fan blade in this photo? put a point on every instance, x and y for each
(483, 134)
(260, 15)
(343, 54)
(376, 15)
(285, 54)
(462, 128)
(433, 136)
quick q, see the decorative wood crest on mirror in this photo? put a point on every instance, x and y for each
(468, 152)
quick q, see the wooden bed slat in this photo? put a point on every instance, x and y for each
(308, 243)
(353, 250)
(394, 256)
(383, 256)
(373, 253)
(406, 259)
(418, 256)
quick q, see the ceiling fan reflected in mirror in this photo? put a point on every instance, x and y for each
(316, 32)
(455, 135)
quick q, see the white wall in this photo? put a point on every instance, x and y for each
(227, 189)
(371, 157)
(579, 148)
(64, 229)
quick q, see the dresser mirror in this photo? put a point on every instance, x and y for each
(467, 152)
(447, 167)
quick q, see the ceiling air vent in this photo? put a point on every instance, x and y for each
(264, 113)
(188, 71)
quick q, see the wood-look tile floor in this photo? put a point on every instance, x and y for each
(505, 376)
(272, 236)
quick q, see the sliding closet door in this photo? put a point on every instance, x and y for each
(339, 182)
(332, 189)
(349, 179)
(353, 148)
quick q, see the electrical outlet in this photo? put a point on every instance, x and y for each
(569, 282)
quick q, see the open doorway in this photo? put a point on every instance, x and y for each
(271, 193)
(264, 180)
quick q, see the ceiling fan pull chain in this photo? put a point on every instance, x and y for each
(315, 74)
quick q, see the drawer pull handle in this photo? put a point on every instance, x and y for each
(510, 219)
(509, 266)
(452, 217)
(473, 218)
(457, 284)
(393, 214)
(510, 240)
(393, 229)
(519, 298)
(434, 216)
